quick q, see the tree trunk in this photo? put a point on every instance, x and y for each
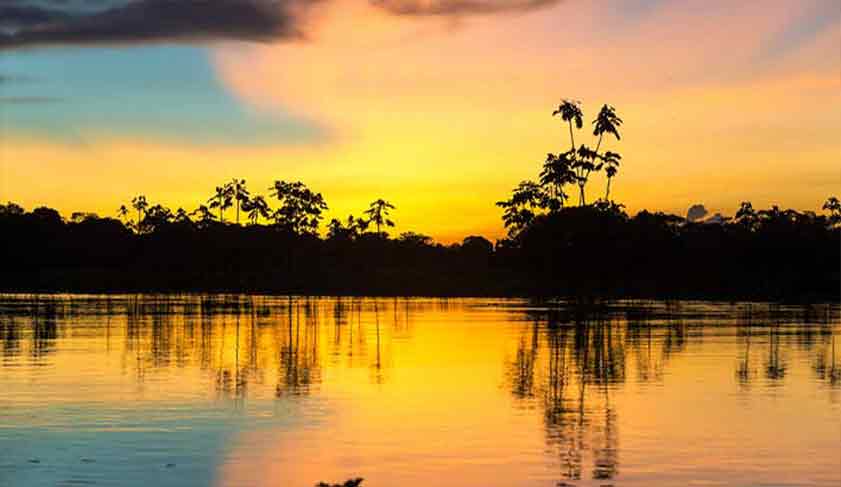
(607, 193)
(571, 138)
(581, 199)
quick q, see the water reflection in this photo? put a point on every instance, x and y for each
(565, 352)
(570, 367)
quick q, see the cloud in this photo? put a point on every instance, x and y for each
(459, 7)
(696, 212)
(145, 21)
(25, 23)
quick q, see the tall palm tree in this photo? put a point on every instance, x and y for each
(570, 112)
(140, 204)
(240, 193)
(607, 122)
(222, 200)
(378, 213)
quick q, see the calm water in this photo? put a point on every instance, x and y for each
(237, 391)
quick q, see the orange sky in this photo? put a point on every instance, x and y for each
(444, 115)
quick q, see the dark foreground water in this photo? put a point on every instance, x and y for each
(158, 391)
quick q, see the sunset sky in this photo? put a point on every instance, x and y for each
(439, 106)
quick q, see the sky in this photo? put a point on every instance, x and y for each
(439, 106)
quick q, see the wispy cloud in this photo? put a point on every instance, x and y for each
(459, 7)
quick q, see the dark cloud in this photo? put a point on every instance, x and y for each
(459, 7)
(25, 23)
(144, 21)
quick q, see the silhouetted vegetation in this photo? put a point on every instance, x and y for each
(590, 250)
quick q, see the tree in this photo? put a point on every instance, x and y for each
(414, 239)
(204, 215)
(11, 209)
(221, 199)
(527, 200)
(557, 172)
(833, 206)
(256, 207)
(300, 208)
(747, 216)
(157, 216)
(570, 112)
(122, 212)
(181, 216)
(611, 167)
(140, 204)
(350, 231)
(378, 213)
(607, 122)
(239, 193)
(582, 159)
(585, 161)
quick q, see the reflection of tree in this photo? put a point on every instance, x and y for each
(45, 330)
(555, 363)
(10, 335)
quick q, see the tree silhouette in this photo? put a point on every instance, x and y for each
(256, 207)
(557, 172)
(611, 167)
(122, 212)
(221, 199)
(239, 193)
(157, 216)
(300, 208)
(570, 112)
(181, 216)
(349, 231)
(606, 122)
(140, 204)
(378, 213)
(204, 215)
(833, 206)
(583, 160)
(527, 200)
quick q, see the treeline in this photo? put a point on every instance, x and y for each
(592, 250)
(274, 244)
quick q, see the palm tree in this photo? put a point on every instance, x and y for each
(140, 204)
(122, 212)
(256, 207)
(378, 213)
(607, 122)
(570, 111)
(222, 200)
(239, 193)
(611, 163)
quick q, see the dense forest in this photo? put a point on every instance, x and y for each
(239, 241)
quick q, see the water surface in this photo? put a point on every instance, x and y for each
(248, 391)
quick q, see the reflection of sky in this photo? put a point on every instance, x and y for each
(172, 444)
(467, 392)
(162, 93)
